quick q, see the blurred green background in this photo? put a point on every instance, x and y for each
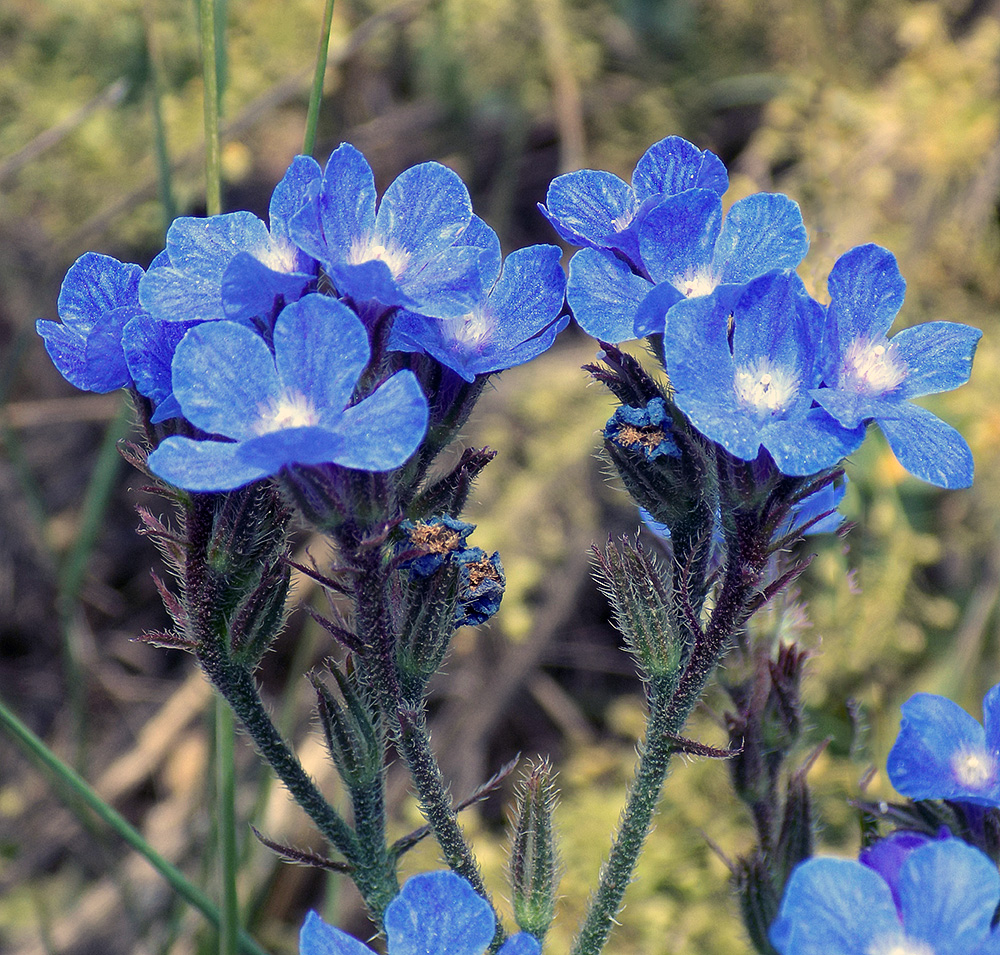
(880, 118)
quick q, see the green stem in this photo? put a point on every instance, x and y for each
(237, 685)
(213, 153)
(316, 93)
(669, 708)
(225, 763)
(637, 817)
(81, 791)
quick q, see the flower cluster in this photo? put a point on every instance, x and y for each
(756, 364)
(434, 912)
(262, 347)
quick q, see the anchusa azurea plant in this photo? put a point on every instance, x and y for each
(312, 370)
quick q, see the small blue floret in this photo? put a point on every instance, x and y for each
(514, 318)
(98, 298)
(756, 392)
(403, 253)
(289, 407)
(870, 377)
(943, 753)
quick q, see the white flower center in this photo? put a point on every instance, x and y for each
(974, 768)
(696, 283)
(469, 331)
(367, 250)
(279, 256)
(900, 946)
(291, 410)
(765, 387)
(622, 222)
(872, 367)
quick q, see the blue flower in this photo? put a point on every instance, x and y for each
(149, 345)
(289, 407)
(405, 253)
(686, 251)
(870, 377)
(435, 913)
(943, 753)
(947, 892)
(230, 266)
(481, 586)
(515, 316)
(757, 394)
(597, 210)
(98, 298)
(643, 429)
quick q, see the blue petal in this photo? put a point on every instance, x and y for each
(948, 892)
(589, 207)
(96, 284)
(424, 210)
(383, 430)
(202, 465)
(190, 288)
(368, 281)
(103, 354)
(277, 449)
(933, 729)
(223, 375)
(250, 289)
(991, 718)
(677, 237)
(528, 295)
(346, 208)
(149, 345)
(808, 445)
(318, 938)
(520, 944)
(674, 165)
(851, 408)
(938, 356)
(438, 913)
(775, 318)
(651, 316)
(299, 183)
(450, 285)
(762, 233)
(927, 447)
(604, 295)
(480, 236)
(67, 346)
(834, 907)
(866, 292)
(321, 348)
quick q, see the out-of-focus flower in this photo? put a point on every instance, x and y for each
(435, 913)
(943, 753)
(947, 892)
(515, 316)
(289, 407)
(870, 377)
(405, 253)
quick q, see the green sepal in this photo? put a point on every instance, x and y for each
(534, 867)
(351, 729)
(644, 610)
(758, 900)
(427, 626)
(260, 617)
(449, 494)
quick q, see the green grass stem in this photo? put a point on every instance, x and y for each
(316, 93)
(77, 790)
